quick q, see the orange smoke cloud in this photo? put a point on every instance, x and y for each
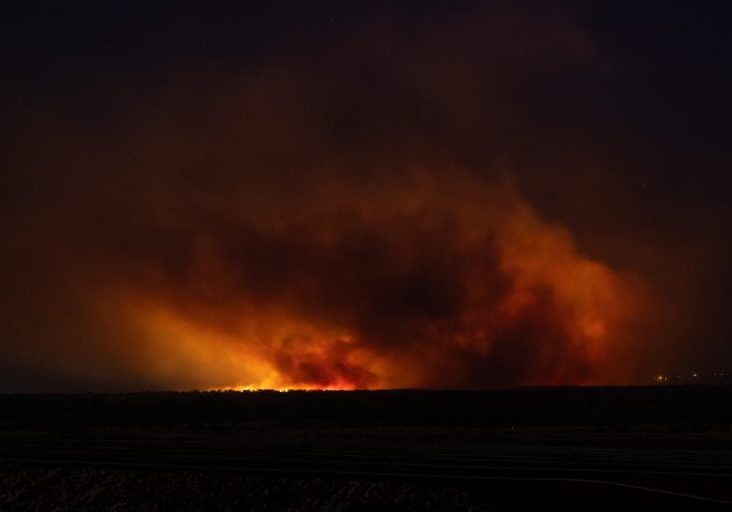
(326, 219)
(442, 282)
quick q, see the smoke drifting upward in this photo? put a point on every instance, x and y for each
(331, 217)
(405, 289)
(382, 287)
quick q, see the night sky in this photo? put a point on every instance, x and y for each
(363, 194)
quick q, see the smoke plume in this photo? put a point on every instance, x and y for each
(345, 215)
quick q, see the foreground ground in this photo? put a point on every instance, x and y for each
(577, 449)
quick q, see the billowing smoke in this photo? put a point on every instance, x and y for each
(453, 284)
(327, 218)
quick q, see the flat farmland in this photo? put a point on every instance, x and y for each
(587, 448)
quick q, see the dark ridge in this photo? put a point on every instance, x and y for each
(685, 406)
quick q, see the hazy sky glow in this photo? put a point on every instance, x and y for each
(370, 195)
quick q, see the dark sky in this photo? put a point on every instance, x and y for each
(363, 194)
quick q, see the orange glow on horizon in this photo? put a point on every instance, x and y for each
(527, 305)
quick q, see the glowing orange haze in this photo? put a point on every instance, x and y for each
(427, 283)
(374, 206)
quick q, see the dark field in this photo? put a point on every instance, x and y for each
(566, 448)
